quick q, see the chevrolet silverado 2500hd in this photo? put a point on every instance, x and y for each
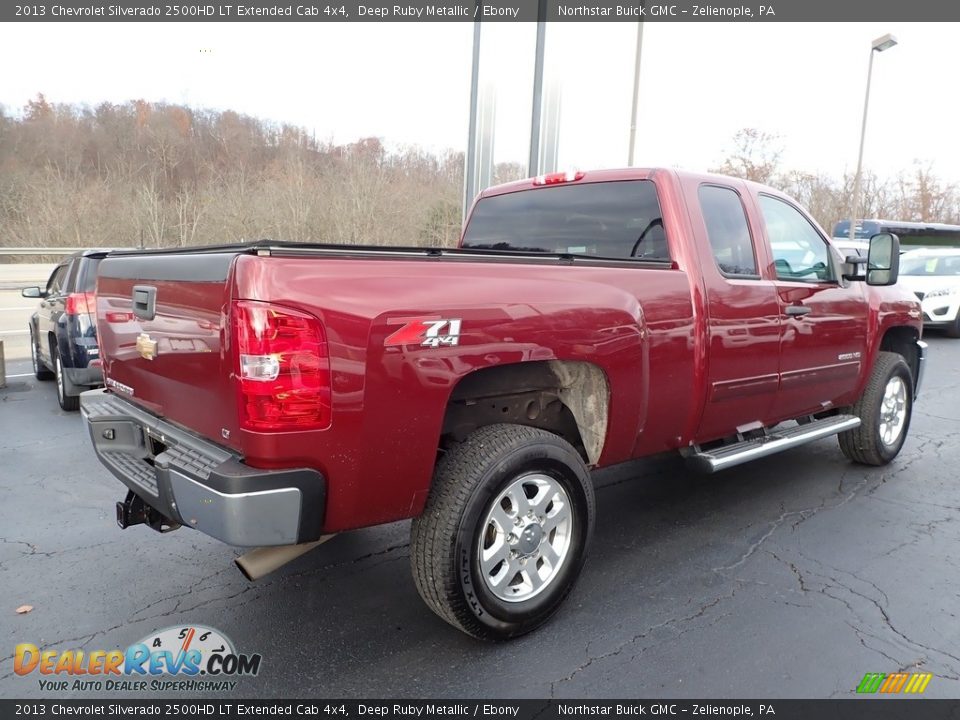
(272, 394)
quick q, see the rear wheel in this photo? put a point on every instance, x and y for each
(65, 389)
(505, 531)
(40, 371)
(884, 410)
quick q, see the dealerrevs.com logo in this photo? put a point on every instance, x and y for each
(192, 658)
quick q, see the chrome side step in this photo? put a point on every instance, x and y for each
(775, 441)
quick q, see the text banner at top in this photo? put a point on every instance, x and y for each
(482, 10)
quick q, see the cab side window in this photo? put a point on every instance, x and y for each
(55, 283)
(727, 229)
(799, 252)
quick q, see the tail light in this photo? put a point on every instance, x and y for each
(282, 367)
(79, 303)
(113, 316)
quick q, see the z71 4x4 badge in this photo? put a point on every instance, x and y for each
(425, 332)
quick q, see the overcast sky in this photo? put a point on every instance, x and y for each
(408, 83)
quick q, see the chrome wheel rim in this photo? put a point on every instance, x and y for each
(525, 538)
(893, 411)
(33, 355)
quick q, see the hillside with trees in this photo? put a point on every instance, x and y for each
(156, 174)
(164, 175)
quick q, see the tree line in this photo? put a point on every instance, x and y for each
(165, 175)
(916, 194)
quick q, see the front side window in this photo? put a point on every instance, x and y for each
(799, 252)
(605, 219)
(55, 283)
(727, 229)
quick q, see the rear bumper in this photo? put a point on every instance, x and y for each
(199, 484)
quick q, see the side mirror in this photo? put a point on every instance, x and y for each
(32, 292)
(883, 259)
(853, 268)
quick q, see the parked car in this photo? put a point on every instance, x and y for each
(850, 248)
(273, 394)
(934, 276)
(63, 333)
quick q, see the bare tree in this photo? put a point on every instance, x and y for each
(754, 155)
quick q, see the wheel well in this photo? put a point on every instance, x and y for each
(569, 398)
(903, 341)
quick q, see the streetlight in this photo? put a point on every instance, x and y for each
(636, 95)
(879, 45)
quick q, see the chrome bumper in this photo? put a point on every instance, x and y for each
(199, 484)
(921, 364)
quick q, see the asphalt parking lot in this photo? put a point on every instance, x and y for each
(790, 577)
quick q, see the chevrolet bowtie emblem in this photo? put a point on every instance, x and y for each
(146, 346)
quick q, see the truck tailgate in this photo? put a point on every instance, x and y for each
(167, 353)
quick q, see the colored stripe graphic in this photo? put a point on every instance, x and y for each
(871, 682)
(922, 680)
(899, 682)
(894, 683)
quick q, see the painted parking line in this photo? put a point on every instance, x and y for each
(14, 332)
(17, 309)
(21, 375)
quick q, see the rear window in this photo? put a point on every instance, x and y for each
(87, 278)
(610, 220)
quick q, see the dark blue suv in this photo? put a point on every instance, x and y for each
(63, 332)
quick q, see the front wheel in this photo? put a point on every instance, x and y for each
(884, 410)
(505, 531)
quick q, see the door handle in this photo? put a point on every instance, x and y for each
(798, 310)
(145, 302)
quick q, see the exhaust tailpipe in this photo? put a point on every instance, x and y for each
(263, 561)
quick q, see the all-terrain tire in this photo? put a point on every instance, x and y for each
(474, 481)
(887, 397)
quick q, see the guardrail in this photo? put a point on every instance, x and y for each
(40, 251)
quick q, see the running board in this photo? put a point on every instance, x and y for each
(775, 441)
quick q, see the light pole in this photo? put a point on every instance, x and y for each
(879, 45)
(636, 95)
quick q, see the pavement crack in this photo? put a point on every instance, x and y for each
(620, 648)
(802, 515)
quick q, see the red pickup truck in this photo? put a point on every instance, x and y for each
(272, 394)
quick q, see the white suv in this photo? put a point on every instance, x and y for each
(933, 274)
